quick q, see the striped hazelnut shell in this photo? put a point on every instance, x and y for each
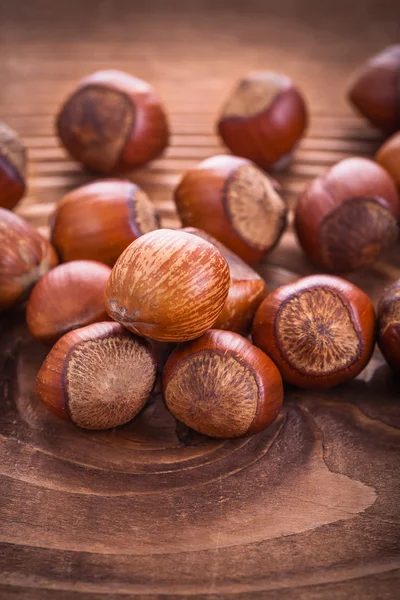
(168, 285)
(246, 291)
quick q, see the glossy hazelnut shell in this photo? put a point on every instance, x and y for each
(52, 385)
(68, 297)
(388, 156)
(12, 167)
(352, 179)
(264, 331)
(24, 258)
(169, 286)
(97, 221)
(201, 203)
(268, 379)
(375, 90)
(12, 187)
(140, 135)
(389, 325)
(246, 292)
(267, 137)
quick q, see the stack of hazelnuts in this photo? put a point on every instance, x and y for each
(131, 301)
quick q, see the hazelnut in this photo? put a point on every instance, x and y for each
(388, 157)
(12, 167)
(389, 325)
(263, 119)
(222, 386)
(346, 218)
(113, 122)
(168, 285)
(234, 201)
(25, 257)
(67, 297)
(319, 331)
(246, 291)
(375, 90)
(98, 221)
(99, 376)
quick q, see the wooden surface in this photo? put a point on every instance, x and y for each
(308, 509)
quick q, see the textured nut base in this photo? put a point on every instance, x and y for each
(215, 394)
(108, 381)
(255, 209)
(144, 217)
(95, 124)
(316, 333)
(355, 234)
(254, 94)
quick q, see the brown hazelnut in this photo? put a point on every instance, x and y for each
(346, 218)
(246, 291)
(113, 122)
(389, 325)
(388, 156)
(67, 297)
(12, 167)
(222, 386)
(168, 285)
(375, 90)
(25, 257)
(98, 221)
(319, 331)
(234, 201)
(263, 119)
(99, 376)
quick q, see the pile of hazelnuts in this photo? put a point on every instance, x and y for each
(131, 301)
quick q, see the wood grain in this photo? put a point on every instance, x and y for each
(305, 510)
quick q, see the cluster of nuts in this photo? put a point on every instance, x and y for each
(125, 286)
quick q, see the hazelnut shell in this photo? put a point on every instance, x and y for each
(24, 258)
(99, 376)
(388, 156)
(263, 119)
(222, 386)
(12, 167)
(68, 297)
(375, 90)
(319, 331)
(235, 202)
(113, 122)
(99, 220)
(389, 325)
(246, 291)
(346, 218)
(168, 285)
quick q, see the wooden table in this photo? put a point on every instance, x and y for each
(306, 510)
